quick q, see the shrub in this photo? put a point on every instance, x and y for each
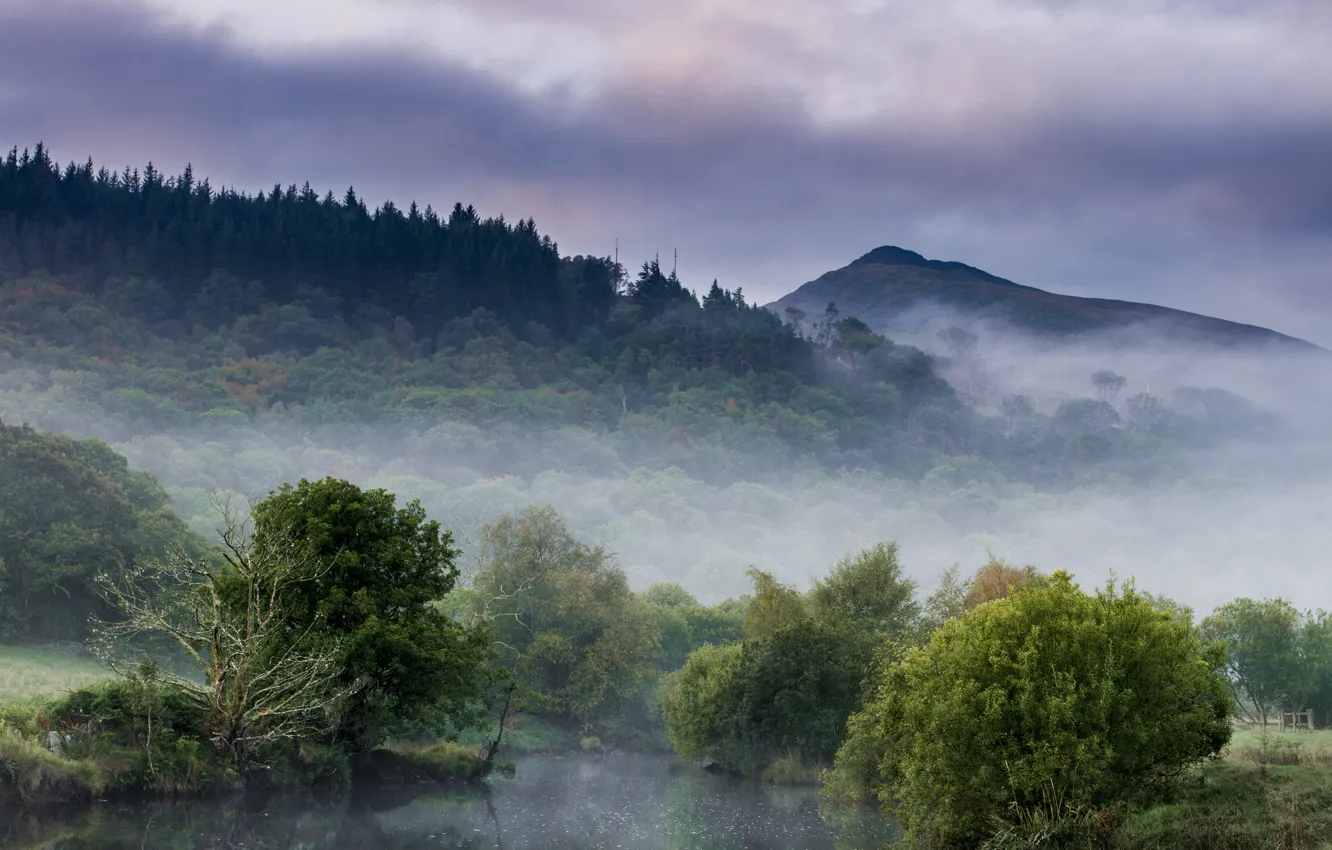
(692, 701)
(1051, 693)
(787, 693)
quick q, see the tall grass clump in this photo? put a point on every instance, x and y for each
(791, 768)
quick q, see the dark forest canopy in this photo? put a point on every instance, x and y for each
(164, 303)
(276, 246)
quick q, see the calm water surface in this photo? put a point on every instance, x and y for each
(631, 802)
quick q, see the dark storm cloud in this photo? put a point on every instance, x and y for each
(743, 174)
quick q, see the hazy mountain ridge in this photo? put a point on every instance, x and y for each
(895, 290)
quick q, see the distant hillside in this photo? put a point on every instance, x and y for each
(135, 305)
(897, 291)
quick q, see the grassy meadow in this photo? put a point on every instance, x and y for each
(1268, 790)
(28, 674)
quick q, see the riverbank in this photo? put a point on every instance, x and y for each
(32, 775)
(90, 744)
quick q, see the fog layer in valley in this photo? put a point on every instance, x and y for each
(1246, 515)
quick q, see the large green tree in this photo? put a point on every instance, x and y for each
(868, 591)
(1047, 701)
(381, 569)
(1278, 654)
(69, 510)
(577, 640)
(684, 625)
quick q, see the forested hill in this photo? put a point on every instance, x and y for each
(133, 303)
(895, 290)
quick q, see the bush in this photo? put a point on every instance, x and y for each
(693, 704)
(1049, 694)
(784, 695)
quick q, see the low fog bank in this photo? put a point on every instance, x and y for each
(993, 360)
(1202, 543)
(1245, 515)
(1251, 528)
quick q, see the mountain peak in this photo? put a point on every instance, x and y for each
(891, 255)
(887, 287)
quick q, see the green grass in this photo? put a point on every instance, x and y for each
(1230, 806)
(790, 769)
(27, 770)
(1255, 747)
(32, 674)
(444, 761)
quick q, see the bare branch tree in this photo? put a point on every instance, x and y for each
(227, 618)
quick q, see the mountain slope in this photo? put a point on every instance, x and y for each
(897, 291)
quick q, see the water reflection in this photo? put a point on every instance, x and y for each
(627, 802)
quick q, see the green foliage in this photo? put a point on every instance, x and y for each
(1049, 693)
(580, 644)
(869, 592)
(777, 703)
(133, 733)
(793, 691)
(1280, 657)
(772, 607)
(69, 510)
(697, 703)
(684, 625)
(380, 569)
(785, 694)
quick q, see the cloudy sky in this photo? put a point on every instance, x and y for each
(1176, 151)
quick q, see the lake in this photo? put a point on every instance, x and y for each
(624, 801)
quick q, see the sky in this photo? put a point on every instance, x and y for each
(1172, 151)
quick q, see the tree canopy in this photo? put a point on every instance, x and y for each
(379, 570)
(1049, 699)
(70, 509)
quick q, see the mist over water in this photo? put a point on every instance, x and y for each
(634, 802)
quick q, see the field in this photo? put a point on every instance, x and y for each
(1270, 790)
(1254, 747)
(39, 674)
